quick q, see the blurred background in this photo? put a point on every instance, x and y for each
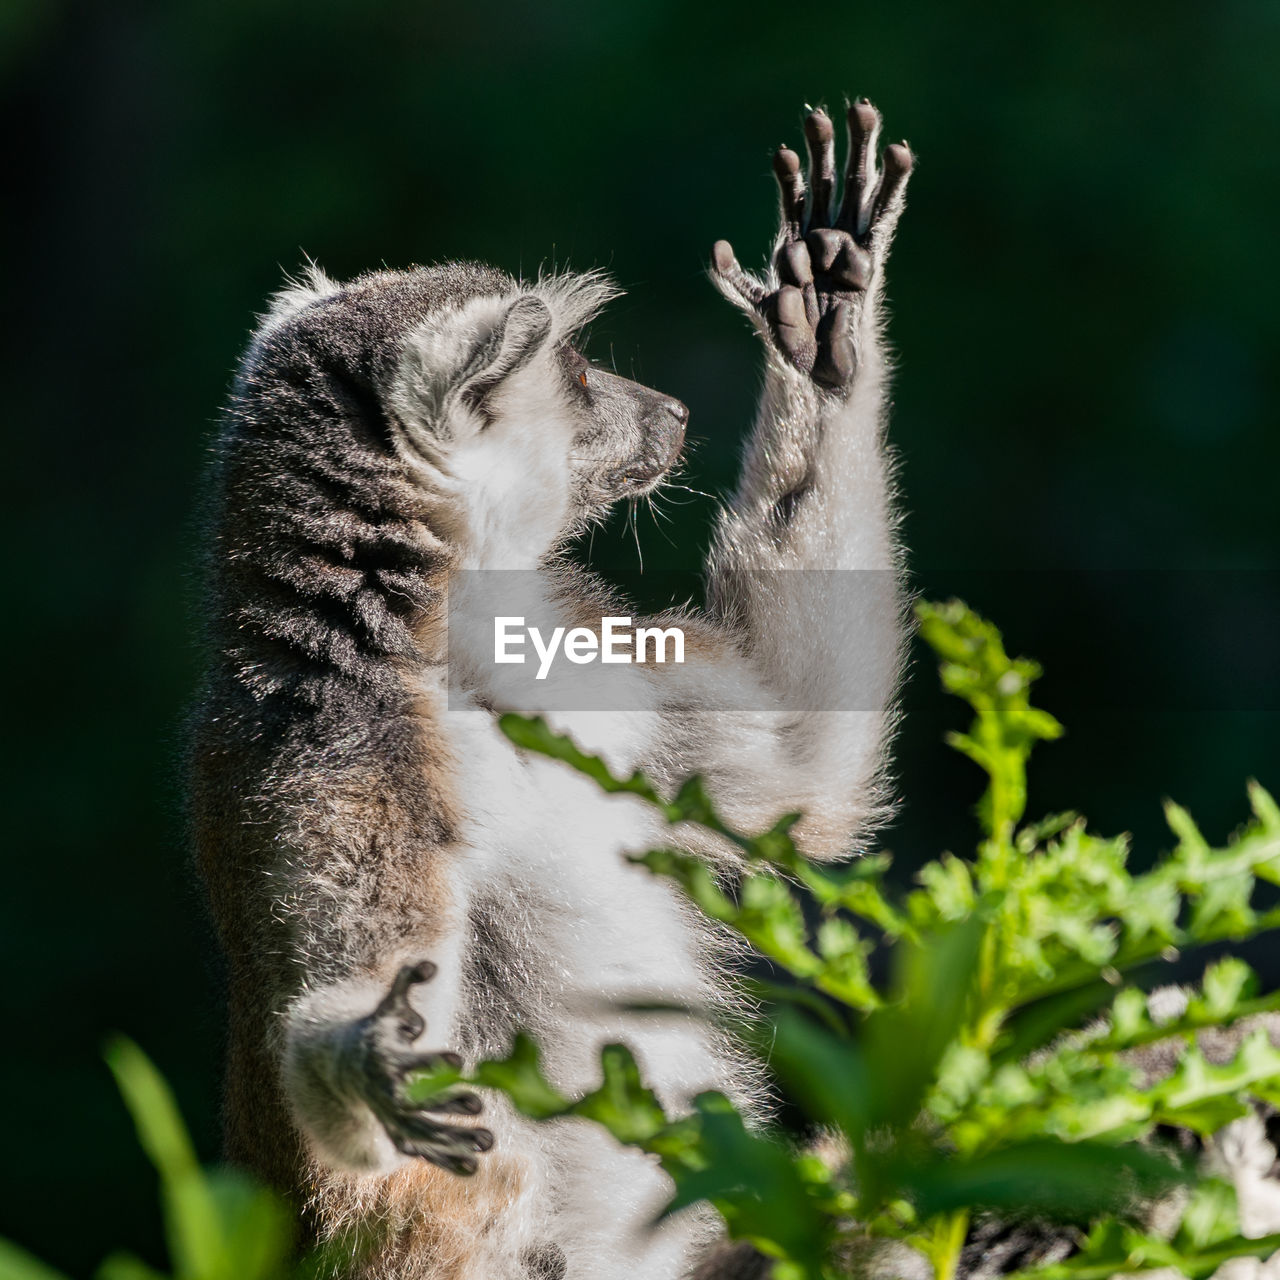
(1084, 294)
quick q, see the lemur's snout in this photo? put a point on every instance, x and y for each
(663, 426)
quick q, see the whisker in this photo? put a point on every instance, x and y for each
(635, 529)
(658, 515)
(675, 484)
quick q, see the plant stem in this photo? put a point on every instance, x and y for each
(948, 1239)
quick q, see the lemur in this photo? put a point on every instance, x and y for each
(393, 882)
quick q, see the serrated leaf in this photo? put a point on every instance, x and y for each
(1210, 1216)
(754, 1183)
(622, 1104)
(949, 885)
(519, 1076)
(534, 734)
(1225, 984)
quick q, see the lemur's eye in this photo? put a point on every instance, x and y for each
(578, 365)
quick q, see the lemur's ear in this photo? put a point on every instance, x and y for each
(462, 358)
(518, 336)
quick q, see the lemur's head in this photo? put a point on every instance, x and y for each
(495, 401)
(483, 396)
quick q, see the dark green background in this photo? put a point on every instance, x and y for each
(1085, 298)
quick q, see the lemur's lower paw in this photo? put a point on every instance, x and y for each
(824, 262)
(384, 1059)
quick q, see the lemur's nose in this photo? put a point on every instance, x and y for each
(680, 412)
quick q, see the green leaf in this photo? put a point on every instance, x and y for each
(1204, 1096)
(1038, 1023)
(1211, 1215)
(948, 884)
(123, 1266)
(754, 1183)
(933, 987)
(17, 1264)
(622, 1103)
(1115, 1248)
(534, 734)
(257, 1227)
(195, 1235)
(1066, 1181)
(1225, 986)
(827, 1074)
(976, 668)
(519, 1076)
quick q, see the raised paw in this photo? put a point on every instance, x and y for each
(384, 1058)
(826, 255)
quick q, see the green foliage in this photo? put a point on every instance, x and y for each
(994, 1070)
(219, 1224)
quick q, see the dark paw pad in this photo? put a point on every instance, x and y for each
(826, 258)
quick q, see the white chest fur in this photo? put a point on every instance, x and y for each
(545, 845)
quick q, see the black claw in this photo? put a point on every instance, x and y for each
(386, 1065)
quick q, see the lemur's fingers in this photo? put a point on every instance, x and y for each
(451, 1100)
(428, 1062)
(820, 136)
(450, 1146)
(732, 280)
(463, 1103)
(792, 329)
(794, 268)
(786, 168)
(834, 363)
(898, 162)
(395, 1004)
(864, 133)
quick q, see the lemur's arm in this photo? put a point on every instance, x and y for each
(813, 491)
(804, 566)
